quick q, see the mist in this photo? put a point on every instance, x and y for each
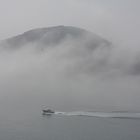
(70, 76)
(69, 69)
(63, 75)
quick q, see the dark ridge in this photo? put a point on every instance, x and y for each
(53, 36)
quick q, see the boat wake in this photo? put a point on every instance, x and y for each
(123, 115)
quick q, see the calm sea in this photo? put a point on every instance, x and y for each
(31, 125)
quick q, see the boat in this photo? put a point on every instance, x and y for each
(48, 112)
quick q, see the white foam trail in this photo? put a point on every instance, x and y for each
(102, 114)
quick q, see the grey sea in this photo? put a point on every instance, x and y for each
(32, 125)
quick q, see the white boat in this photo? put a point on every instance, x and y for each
(48, 112)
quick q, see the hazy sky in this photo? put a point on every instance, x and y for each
(116, 20)
(39, 75)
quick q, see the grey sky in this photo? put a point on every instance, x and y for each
(116, 20)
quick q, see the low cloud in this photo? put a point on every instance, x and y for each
(71, 76)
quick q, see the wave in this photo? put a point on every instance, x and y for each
(123, 115)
